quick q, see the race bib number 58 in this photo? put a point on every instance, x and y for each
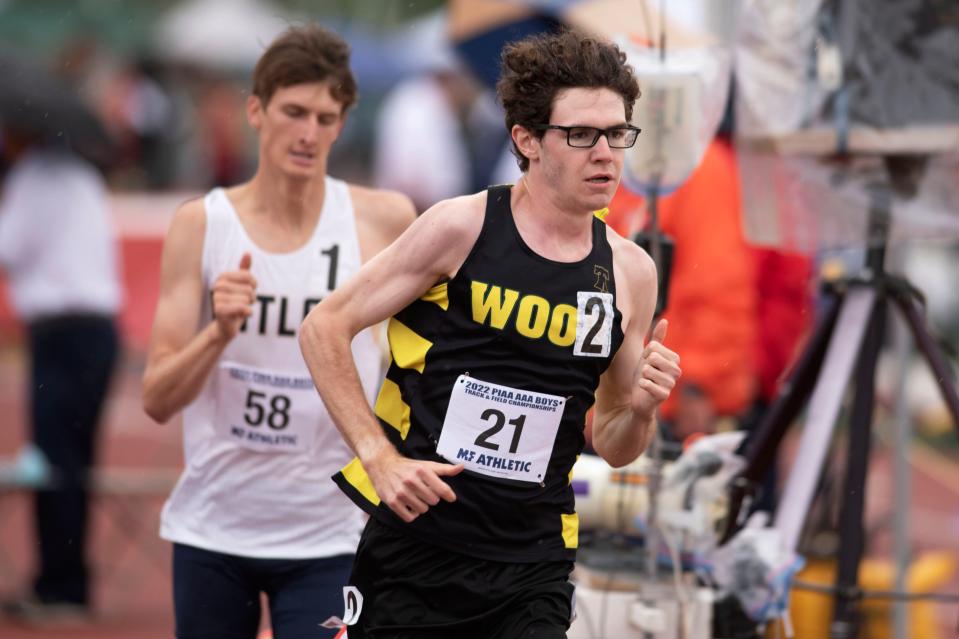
(500, 431)
(266, 411)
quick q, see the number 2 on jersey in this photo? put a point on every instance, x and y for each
(594, 324)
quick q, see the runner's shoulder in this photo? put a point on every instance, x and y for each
(459, 218)
(389, 211)
(632, 259)
(189, 219)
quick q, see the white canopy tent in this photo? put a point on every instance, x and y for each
(227, 35)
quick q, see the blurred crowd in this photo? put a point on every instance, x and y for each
(171, 128)
(176, 121)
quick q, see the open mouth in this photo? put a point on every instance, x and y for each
(302, 155)
(599, 179)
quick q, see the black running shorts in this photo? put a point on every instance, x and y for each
(412, 590)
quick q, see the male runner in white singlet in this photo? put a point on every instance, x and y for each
(255, 510)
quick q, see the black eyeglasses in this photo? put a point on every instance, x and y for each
(585, 137)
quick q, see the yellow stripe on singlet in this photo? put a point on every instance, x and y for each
(602, 213)
(438, 295)
(391, 408)
(408, 348)
(570, 530)
(356, 475)
(571, 522)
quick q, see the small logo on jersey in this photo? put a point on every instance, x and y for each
(602, 278)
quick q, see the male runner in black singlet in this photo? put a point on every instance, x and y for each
(511, 311)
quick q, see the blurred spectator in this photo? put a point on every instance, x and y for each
(437, 130)
(420, 147)
(479, 30)
(223, 133)
(57, 250)
(84, 65)
(132, 103)
(140, 116)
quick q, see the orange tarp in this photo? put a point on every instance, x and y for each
(712, 291)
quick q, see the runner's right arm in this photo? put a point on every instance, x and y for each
(429, 252)
(180, 358)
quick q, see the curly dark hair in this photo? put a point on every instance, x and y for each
(535, 69)
(301, 54)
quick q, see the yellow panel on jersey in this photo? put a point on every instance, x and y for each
(438, 296)
(408, 348)
(356, 475)
(570, 530)
(570, 522)
(391, 408)
(602, 213)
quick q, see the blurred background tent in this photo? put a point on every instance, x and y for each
(219, 34)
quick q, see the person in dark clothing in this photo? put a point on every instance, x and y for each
(58, 252)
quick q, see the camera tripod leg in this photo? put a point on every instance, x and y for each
(911, 310)
(822, 412)
(763, 444)
(846, 615)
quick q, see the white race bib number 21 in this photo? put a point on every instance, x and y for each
(500, 431)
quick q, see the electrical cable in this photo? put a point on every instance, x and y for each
(864, 593)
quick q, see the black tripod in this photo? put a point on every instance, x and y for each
(848, 336)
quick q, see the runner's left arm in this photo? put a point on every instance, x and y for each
(642, 373)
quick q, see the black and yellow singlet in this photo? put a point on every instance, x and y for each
(496, 369)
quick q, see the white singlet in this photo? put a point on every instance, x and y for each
(259, 446)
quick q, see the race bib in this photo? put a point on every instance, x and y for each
(266, 411)
(500, 431)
